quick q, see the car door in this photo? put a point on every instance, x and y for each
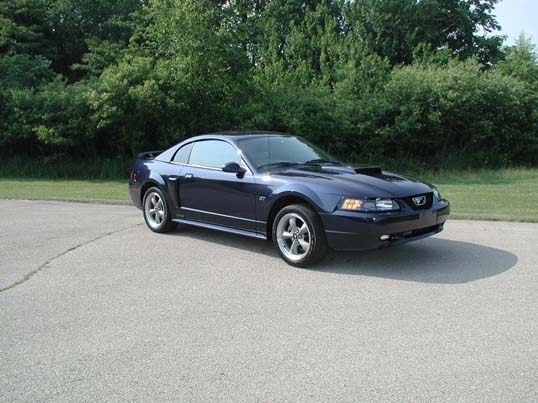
(174, 174)
(209, 195)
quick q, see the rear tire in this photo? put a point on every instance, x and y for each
(298, 235)
(156, 211)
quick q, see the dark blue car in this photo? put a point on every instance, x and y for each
(281, 187)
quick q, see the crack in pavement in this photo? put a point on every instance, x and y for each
(28, 275)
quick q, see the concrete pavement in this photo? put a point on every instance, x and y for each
(96, 307)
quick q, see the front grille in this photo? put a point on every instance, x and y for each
(427, 205)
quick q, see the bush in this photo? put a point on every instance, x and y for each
(55, 119)
(429, 112)
(106, 79)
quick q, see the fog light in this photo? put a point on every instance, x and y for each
(384, 237)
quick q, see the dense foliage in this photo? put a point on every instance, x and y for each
(426, 80)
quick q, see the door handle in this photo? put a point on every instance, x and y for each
(189, 176)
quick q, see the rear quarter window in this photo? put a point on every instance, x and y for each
(182, 155)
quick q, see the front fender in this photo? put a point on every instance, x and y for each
(322, 202)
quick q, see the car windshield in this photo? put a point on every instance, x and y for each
(280, 151)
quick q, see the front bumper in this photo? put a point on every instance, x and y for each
(348, 230)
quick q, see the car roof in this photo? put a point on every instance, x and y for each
(236, 135)
(231, 136)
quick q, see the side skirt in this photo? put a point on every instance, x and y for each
(221, 228)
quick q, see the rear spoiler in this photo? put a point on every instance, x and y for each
(148, 155)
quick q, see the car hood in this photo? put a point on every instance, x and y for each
(371, 182)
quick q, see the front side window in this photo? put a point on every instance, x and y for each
(213, 153)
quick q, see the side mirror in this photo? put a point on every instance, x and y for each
(234, 167)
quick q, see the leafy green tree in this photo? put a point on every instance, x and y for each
(82, 26)
(56, 119)
(388, 28)
(394, 28)
(466, 27)
(100, 55)
(314, 46)
(368, 79)
(19, 72)
(129, 105)
(429, 111)
(24, 28)
(522, 61)
(184, 74)
(24, 71)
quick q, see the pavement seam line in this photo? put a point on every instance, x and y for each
(28, 275)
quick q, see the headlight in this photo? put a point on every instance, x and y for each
(370, 205)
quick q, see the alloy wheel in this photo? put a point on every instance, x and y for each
(155, 210)
(293, 236)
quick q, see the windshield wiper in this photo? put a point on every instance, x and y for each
(280, 164)
(322, 161)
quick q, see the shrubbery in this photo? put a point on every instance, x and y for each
(335, 72)
(428, 112)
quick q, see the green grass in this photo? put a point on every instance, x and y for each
(505, 195)
(508, 194)
(88, 191)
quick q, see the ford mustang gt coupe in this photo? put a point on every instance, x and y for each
(281, 187)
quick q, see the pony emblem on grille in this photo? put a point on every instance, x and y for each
(419, 201)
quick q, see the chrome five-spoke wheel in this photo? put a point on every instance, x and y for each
(156, 211)
(293, 236)
(298, 235)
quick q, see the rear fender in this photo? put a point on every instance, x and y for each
(149, 179)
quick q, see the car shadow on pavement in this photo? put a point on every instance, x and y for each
(432, 260)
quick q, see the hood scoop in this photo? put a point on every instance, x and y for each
(369, 171)
(366, 170)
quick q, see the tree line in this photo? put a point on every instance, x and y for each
(429, 80)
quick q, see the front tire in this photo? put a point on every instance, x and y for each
(298, 235)
(156, 211)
